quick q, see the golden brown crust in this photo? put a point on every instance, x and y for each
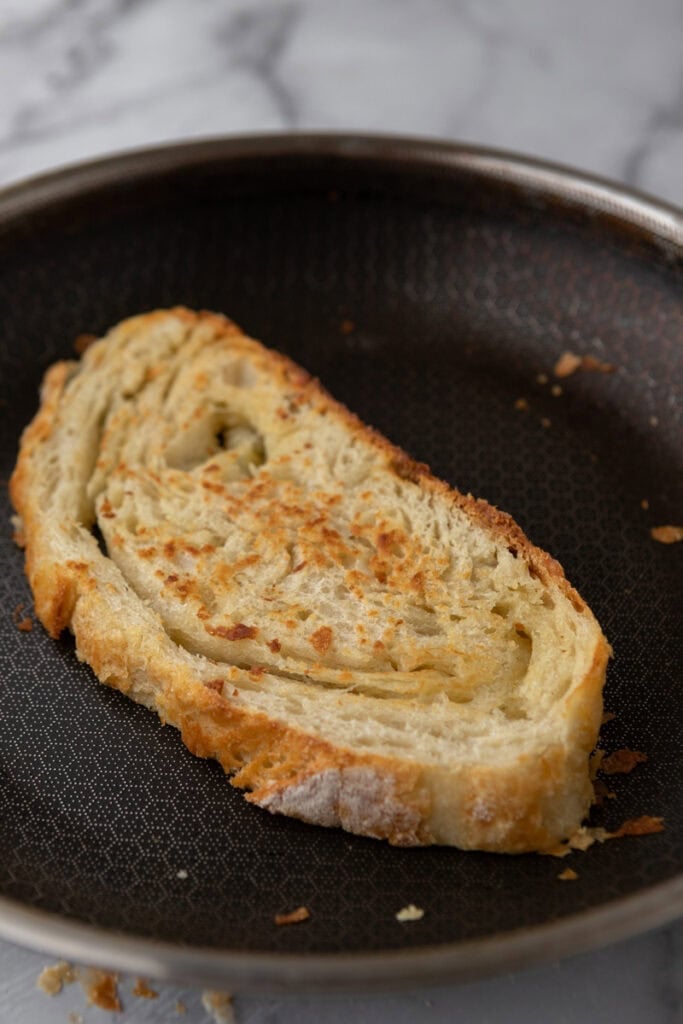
(259, 753)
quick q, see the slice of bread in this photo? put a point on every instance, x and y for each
(355, 642)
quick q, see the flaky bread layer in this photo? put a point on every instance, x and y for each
(358, 644)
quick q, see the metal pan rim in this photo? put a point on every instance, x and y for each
(655, 906)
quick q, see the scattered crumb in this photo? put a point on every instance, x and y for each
(654, 421)
(569, 363)
(596, 365)
(621, 762)
(556, 390)
(582, 839)
(410, 913)
(541, 378)
(52, 979)
(75, 1018)
(568, 875)
(101, 988)
(21, 621)
(219, 1005)
(608, 716)
(294, 916)
(82, 342)
(645, 504)
(142, 990)
(180, 1006)
(585, 836)
(181, 874)
(521, 405)
(545, 422)
(644, 826)
(667, 534)
(347, 327)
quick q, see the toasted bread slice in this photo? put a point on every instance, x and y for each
(355, 642)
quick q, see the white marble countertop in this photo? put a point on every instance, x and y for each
(595, 85)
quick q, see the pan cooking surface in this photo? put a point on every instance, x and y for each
(429, 301)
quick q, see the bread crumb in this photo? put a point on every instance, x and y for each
(75, 1018)
(101, 988)
(21, 621)
(584, 837)
(180, 1006)
(645, 825)
(556, 390)
(294, 916)
(347, 327)
(621, 762)
(541, 378)
(608, 716)
(645, 504)
(219, 1005)
(546, 422)
(142, 990)
(568, 875)
(522, 405)
(596, 365)
(52, 979)
(654, 421)
(410, 913)
(569, 363)
(667, 534)
(181, 874)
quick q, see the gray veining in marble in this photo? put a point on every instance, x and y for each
(597, 85)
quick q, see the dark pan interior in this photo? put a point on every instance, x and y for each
(428, 300)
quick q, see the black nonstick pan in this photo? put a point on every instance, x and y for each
(431, 288)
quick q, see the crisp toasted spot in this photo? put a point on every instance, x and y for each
(321, 639)
(237, 632)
